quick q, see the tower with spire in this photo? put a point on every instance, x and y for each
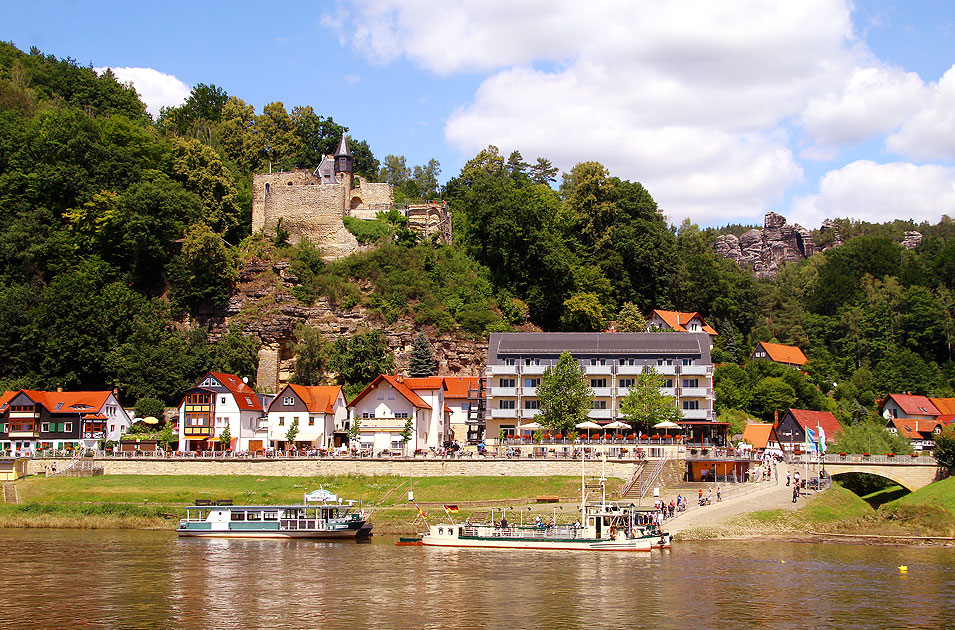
(344, 163)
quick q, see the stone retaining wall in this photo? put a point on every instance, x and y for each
(328, 467)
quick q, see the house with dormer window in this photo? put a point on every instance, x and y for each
(779, 353)
(219, 401)
(319, 412)
(679, 322)
(33, 420)
(383, 409)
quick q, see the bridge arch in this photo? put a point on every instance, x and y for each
(883, 475)
(909, 476)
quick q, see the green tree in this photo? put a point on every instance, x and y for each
(235, 353)
(354, 429)
(225, 438)
(564, 396)
(630, 319)
(291, 434)
(583, 312)
(166, 437)
(406, 431)
(205, 269)
(361, 359)
(645, 405)
(945, 447)
(146, 407)
(311, 355)
(422, 358)
(869, 436)
(770, 395)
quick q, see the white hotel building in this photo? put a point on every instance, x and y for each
(612, 361)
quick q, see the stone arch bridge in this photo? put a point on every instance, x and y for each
(909, 472)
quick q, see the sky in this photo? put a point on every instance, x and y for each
(723, 110)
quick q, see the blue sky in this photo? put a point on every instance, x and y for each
(814, 109)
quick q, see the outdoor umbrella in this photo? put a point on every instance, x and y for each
(151, 420)
(666, 424)
(530, 426)
(617, 424)
(587, 425)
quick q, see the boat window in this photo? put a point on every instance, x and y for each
(270, 516)
(238, 516)
(254, 516)
(440, 531)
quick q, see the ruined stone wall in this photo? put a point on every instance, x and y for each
(275, 183)
(375, 196)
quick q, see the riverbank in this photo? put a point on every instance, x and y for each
(926, 516)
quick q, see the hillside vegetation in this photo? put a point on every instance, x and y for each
(122, 238)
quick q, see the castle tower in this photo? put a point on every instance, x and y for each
(343, 165)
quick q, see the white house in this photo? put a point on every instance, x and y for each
(320, 412)
(383, 409)
(219, 401)
(459, 395)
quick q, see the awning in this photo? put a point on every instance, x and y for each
(197, 437)
(703, 422)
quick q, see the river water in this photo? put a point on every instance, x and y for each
(133, 579)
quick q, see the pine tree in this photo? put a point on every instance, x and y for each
(422, 359)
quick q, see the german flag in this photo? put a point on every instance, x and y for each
(451, 509)
(423, 515)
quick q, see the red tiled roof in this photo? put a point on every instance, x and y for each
(317, 398)
(783, 354)
(458, 386)
(72, 401)
(244, 395)
(945, 419)
(945, 406)
(914, 405)
(426, 382)
(811, 419)
(678, 321)
(913, 429)
(760, 434)
(400, 387)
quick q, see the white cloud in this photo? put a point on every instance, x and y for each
(874, 100)
(930, 134)
(880, 192)
(155, 88)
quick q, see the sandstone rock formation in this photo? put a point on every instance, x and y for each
(912, 239)
(764, 250)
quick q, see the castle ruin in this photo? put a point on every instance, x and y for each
(311, 204)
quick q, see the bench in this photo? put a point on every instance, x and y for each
(548, 499)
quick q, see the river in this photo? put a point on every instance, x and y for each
(135, 579)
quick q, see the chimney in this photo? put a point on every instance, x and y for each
(115, 391)
(776, 418)
(59, 390)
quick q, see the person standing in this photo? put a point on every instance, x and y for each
(788, 476)
(796, 478)
(719, 494)
(795, 492)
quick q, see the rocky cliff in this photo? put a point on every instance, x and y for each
(265, 308)
(765, 250)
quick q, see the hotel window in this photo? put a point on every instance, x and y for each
(691, 404)
(598, 362)
(46, 427)
(281, 421)
(627, 382)
(311, 421)
(222, 401)
(508, 361)
(532, 361)
(401, 414)
(532, 404)
(508, 430)
(628, 361)
(506, 404)
(664, 361)
(691, 382)
(368, 414)
(508, 382)
(687, 361)
(288, 400)
(532, 382)
(69, 427)
(396, 443)
(598, 404)
(668, 383)
(598, 382)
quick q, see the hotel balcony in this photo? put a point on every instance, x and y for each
(503, 391)
(529, 413)
(602, 392)
(668, 391)
(623, 391)
(503, 413)
(601, 414)
(23, 434)
(629, 370)
(598, 369)
(533, 369)
(695, 414)
(694, 392)
(694, 369)
(529, 391)
(669, 370)
(501, 369)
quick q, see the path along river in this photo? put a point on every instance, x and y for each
(133, 579)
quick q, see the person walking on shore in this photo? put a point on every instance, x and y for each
(719, 494)
(788, 476)
(795, 492)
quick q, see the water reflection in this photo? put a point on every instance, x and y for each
(121, 579)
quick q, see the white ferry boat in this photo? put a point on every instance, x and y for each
(321, 515)
(603, 526)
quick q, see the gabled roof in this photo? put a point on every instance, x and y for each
(400, 387)
(945, 419)
(458, 386)
(914, 405)
(811, 419)
(945, 406)
(678, 321)
(60, 402)
(426, 382)
(244, 395)
(317, 398)
(913, 429)
(760, 434)
(783, 354)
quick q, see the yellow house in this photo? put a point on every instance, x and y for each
(12, 468)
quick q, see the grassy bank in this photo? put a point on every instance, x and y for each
(929, 512)
(155, 501)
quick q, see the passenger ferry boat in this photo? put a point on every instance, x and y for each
(604, 526)
(321, 515)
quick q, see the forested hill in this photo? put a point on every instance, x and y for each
(121, 235)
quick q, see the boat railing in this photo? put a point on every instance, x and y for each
(302, 523)
(518, 531)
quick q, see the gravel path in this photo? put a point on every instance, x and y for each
(765, 495)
